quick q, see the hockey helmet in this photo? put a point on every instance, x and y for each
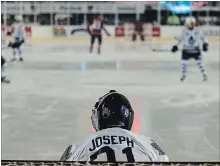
(112, 110)
(190, 22)
(100, 16)
(19, 18)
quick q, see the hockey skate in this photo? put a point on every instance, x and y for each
(21, 59)
(183, 78)
(99, 51)
(90, 50)
(205, 78)
(5, 80)
(13, 59)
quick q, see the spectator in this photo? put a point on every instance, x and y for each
(173, 20)
(150, 14)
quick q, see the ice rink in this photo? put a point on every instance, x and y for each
(48, 104)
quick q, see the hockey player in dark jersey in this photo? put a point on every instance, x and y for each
(138, 30)
(95, 30)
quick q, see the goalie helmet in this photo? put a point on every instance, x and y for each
(112, 110)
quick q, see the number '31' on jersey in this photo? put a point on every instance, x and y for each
(115, 144)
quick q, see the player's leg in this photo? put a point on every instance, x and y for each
(3, 61)
(92, 40)
(20, 52)
(3, 73)
(14, 47)
(14, 54)
(141, 35)
(100, 43)
(184, 63)
(134, 36)
(198, 58)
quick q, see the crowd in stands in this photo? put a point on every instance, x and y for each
(150, 15)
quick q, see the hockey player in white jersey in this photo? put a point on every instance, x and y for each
(112, 118)
(191, 37)
(19, 38)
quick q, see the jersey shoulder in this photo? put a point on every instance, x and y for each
(186, 32)
(74, 149)
(156, 150)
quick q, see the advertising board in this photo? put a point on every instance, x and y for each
(8, 30)
(150, 31)
(213, 31)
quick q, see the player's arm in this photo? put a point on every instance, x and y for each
(106, 32)
(179, 41)
(161, 155)
(5, 42)
(69, 154)
(204, 40)
(23, 33)
(89, 29)
(180, 38)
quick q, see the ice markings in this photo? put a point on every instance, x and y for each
(5, 116)
(85, 66)
(118, 65)
(196, 99)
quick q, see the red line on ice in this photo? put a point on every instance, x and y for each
(136, 124)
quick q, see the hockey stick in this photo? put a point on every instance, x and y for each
(158, 50)
(161, 50)
(28, 44)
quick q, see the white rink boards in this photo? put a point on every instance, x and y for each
(48, 104)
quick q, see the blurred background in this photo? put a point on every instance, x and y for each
(115, 13)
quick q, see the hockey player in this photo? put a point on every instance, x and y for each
(95, 31)
(191, 38)
(4, 43)
(19, 38)
(112, 118)
(138, 30)
(3, 73)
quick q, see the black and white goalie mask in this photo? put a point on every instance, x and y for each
(112, 110)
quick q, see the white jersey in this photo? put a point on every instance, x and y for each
(115, 144)
(191, 39)
(19, 31)
(4, 41)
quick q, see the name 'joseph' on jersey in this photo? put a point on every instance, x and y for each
(191, 39)
(115, 144)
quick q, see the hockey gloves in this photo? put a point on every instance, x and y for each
(10, 44)
(22, 41)
(205, 47)
(175, 48)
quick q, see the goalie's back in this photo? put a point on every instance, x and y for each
(115, 144)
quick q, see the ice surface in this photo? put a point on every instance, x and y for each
(48, 104)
